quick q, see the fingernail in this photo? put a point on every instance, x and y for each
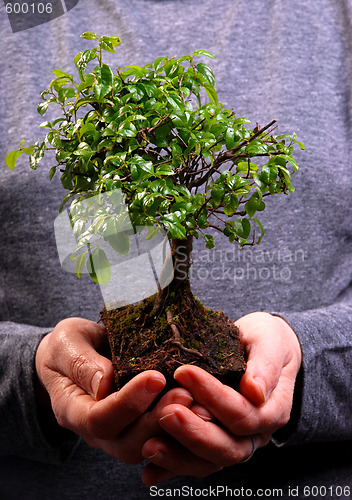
(155, 385)
(183, 399)
(261, 386)
(169, 418)
(202, 413)
(96, 381)
(157, 455)
(182, 377)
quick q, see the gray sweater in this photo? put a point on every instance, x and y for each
(282, 59)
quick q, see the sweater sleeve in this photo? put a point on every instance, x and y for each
(322, 406)
(27, 430)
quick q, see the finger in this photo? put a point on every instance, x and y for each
(106, 418)
(169, 457)
(232, 409)
(153, 474)
(74, 354)
(205, 439)
(128, 444)
(267, 342)
(202, 412)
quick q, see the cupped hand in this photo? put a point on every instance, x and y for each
(79, 382)
(223, 425)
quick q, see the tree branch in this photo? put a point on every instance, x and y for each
(227, 156)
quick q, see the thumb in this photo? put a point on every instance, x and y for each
(73, 353)
(267, 353)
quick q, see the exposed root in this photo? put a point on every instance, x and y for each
(175, 330)
(176, 340)
(158, 303)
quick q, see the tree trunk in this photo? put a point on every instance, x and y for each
(181, 251)
(181, 256)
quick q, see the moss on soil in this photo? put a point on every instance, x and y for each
(140, 342)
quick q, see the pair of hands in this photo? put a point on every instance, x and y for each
(195, 429)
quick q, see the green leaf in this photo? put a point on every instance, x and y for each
(176, 229)
(86, 127)
(45, 124)
(203, 220)
(257, 148)
(141, 169)
(80, 263)
(137, 92)
(291, 160)
(66, 93)
(176, 102)
(184, 191)
(132, 70)
(231, 204)
(100, 90)
(11, 158)
(66, 181)
(211, 93)
(109, 43)
(206, 72)
(164, 170)
(184, 58)
(240, 121)
(127, 129)
(159, 63)
(171, 68)
(277, 160)
(83, 149)
(254, 204)
(179, 119)
(217, 194)
(103, 82)
(89, 35)
(52, 172)
(36, 156)
(242, 228)
(66, 198)
(106, 74)
(231, 138)
(242, 167)
(82, 59)
(301, 145)
(269, 173)
(235, 182)
(62, 74)
(54, 138)
(120, 242)
(99, 267)
(28, 150)
(43, 106)
(203, 53)
(86, 84)
(151, 89)
(261, 229)
(228, 229)
(152, 231)
(209, 241)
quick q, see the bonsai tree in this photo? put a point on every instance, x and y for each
(183, 162)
